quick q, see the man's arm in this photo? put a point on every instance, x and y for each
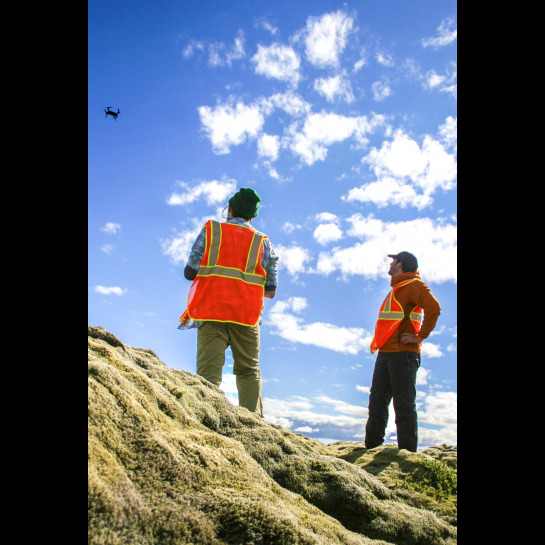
(432, 310)
(195, 256)
(268, 262)
(269, 293)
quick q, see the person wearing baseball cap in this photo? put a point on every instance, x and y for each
(407, 260)
(233, 267)
(407, 316)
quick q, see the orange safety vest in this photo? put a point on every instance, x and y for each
(230, 284)
(390, 316)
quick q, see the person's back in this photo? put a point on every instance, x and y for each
(233, 267)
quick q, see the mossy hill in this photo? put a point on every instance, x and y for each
(172, 461)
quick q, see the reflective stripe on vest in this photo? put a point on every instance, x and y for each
(390, 316)
(231, 273)
(230, 283)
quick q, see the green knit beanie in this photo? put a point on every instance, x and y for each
(245, 202)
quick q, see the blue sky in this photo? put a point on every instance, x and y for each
(343, 117)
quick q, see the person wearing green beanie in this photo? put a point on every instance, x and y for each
(245, 203)
(217, 333)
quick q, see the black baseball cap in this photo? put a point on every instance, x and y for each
(407, 260)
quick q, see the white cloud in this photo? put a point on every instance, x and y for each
(298, 304)
(349, 425)
(229, 384)
(237, 51)
(267, 26)
(385, 59)
(278, 62)
(346, 340)
(291, 410)
(411, 69)
(428, 437)
(433, 79)
(298, 402)
(327, 232)
(114, 290)
(362, 62)
(443, 83)
(273, 173)
(292, 258)
(306, 429)
(433, 242)
(423, 374)
(431, 350)
(440, 409)
(408, 174)
(401, 158)
(325, 38)
(107, 249)
(327, 217)
(290, 102)
(289, 227)
(446, 35)
(285, 423)
(335, 86)
(178, 247)
(231, 124)
(192, 47)
(449, 132)
(381, 90)
(219, 54)
(111, 228)
(213, 192)
(341, 406)
(268, 146)
(389, 191)
(323, 129)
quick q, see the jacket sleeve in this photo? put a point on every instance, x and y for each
(196, 255)
(269, 262)
(431, 308)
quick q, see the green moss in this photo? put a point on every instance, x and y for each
(172, 461)
(438, 480)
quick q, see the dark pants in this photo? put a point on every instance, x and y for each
(394, 376)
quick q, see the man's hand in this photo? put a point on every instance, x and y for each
(409, 338)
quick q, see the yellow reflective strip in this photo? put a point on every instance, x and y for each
(395, 288)
(228, 272)
(416, 316)
(388, 302)
(227, 321)
(391, 315)
(251, 262)
(214, 243)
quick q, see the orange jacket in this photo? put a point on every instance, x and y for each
(230, 284)
(391, 314)
(415, 294)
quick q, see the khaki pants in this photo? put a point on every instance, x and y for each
(213, 338)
